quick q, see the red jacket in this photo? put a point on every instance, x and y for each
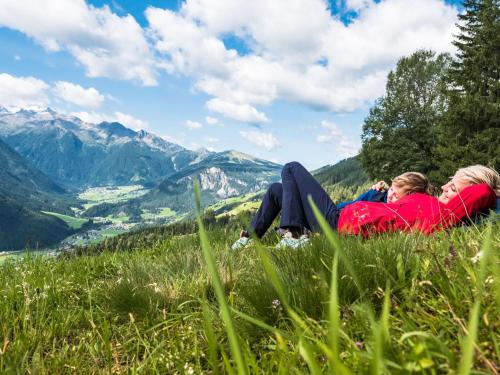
(414, 212)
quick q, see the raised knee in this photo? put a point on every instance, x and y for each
(275, 188)
(291, 166)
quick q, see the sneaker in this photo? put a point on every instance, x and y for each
(241, 243)
(288, 241)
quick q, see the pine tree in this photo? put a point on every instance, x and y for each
(470, 132)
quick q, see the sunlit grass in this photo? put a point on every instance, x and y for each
(73, 222)
(397, 303)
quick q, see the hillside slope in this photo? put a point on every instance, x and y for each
(24, 191)
(347, 172)
(22, 182)
(21, 228)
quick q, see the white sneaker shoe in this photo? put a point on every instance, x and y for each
(241, 243)
(295, 243)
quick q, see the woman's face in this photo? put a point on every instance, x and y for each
(394, 193)
(452, 188)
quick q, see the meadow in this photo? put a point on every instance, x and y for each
(72, 222)
(186, 304)
(111, 194)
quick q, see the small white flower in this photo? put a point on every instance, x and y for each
(476, 258)
(276, 304)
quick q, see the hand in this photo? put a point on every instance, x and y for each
(381, 185)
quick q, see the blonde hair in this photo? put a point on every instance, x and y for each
(413, 182)
(479, 174)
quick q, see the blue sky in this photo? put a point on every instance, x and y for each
(282, 80)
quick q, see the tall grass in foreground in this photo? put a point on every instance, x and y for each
(393, 304)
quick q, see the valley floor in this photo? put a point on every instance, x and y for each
(396, 303)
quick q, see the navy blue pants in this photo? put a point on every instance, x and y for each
(290, 198)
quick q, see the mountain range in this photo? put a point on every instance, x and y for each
(77, 154)
(57, 156)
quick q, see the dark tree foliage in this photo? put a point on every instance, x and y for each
(470, 130)
(346, 172)
(401, 130)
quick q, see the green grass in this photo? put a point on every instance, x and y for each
(160, 213)
(73, 222)
(108, 194)
(394, 304)
(120, 218)
(245, 206)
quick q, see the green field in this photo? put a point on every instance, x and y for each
(160, 213)
(245, 206)
(111, 194)
(234, 200)
(392, 304)
(73, 222)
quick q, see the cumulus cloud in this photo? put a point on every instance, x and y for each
(193, 125)
(344, 146)
(332, 132)
(123, 118)
(76, 94)
(106, 44)
(262, 139)
(131, 121)
(240, 112)
(22, 92)
(324, 64)
(211, 120)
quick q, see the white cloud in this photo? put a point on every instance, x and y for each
(17, 57)
(211, 120)
(130, 121)
(193, 125)
(240, 112)
(104, 43)
(357, 5)
(344, 146)
(123, 118)
(22, 92)
(76, 94)
(211, 139)
(323, 64)
(262, 139)
(332, 132)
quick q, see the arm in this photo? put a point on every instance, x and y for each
(368, 196)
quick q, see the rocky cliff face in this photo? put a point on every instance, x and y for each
(214, 179)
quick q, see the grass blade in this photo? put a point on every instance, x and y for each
(219, 290)
(334, 241)
(467, 355)
(308, 354)
(211, 339)
(334, 317)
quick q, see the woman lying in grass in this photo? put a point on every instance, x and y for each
(471, 190)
